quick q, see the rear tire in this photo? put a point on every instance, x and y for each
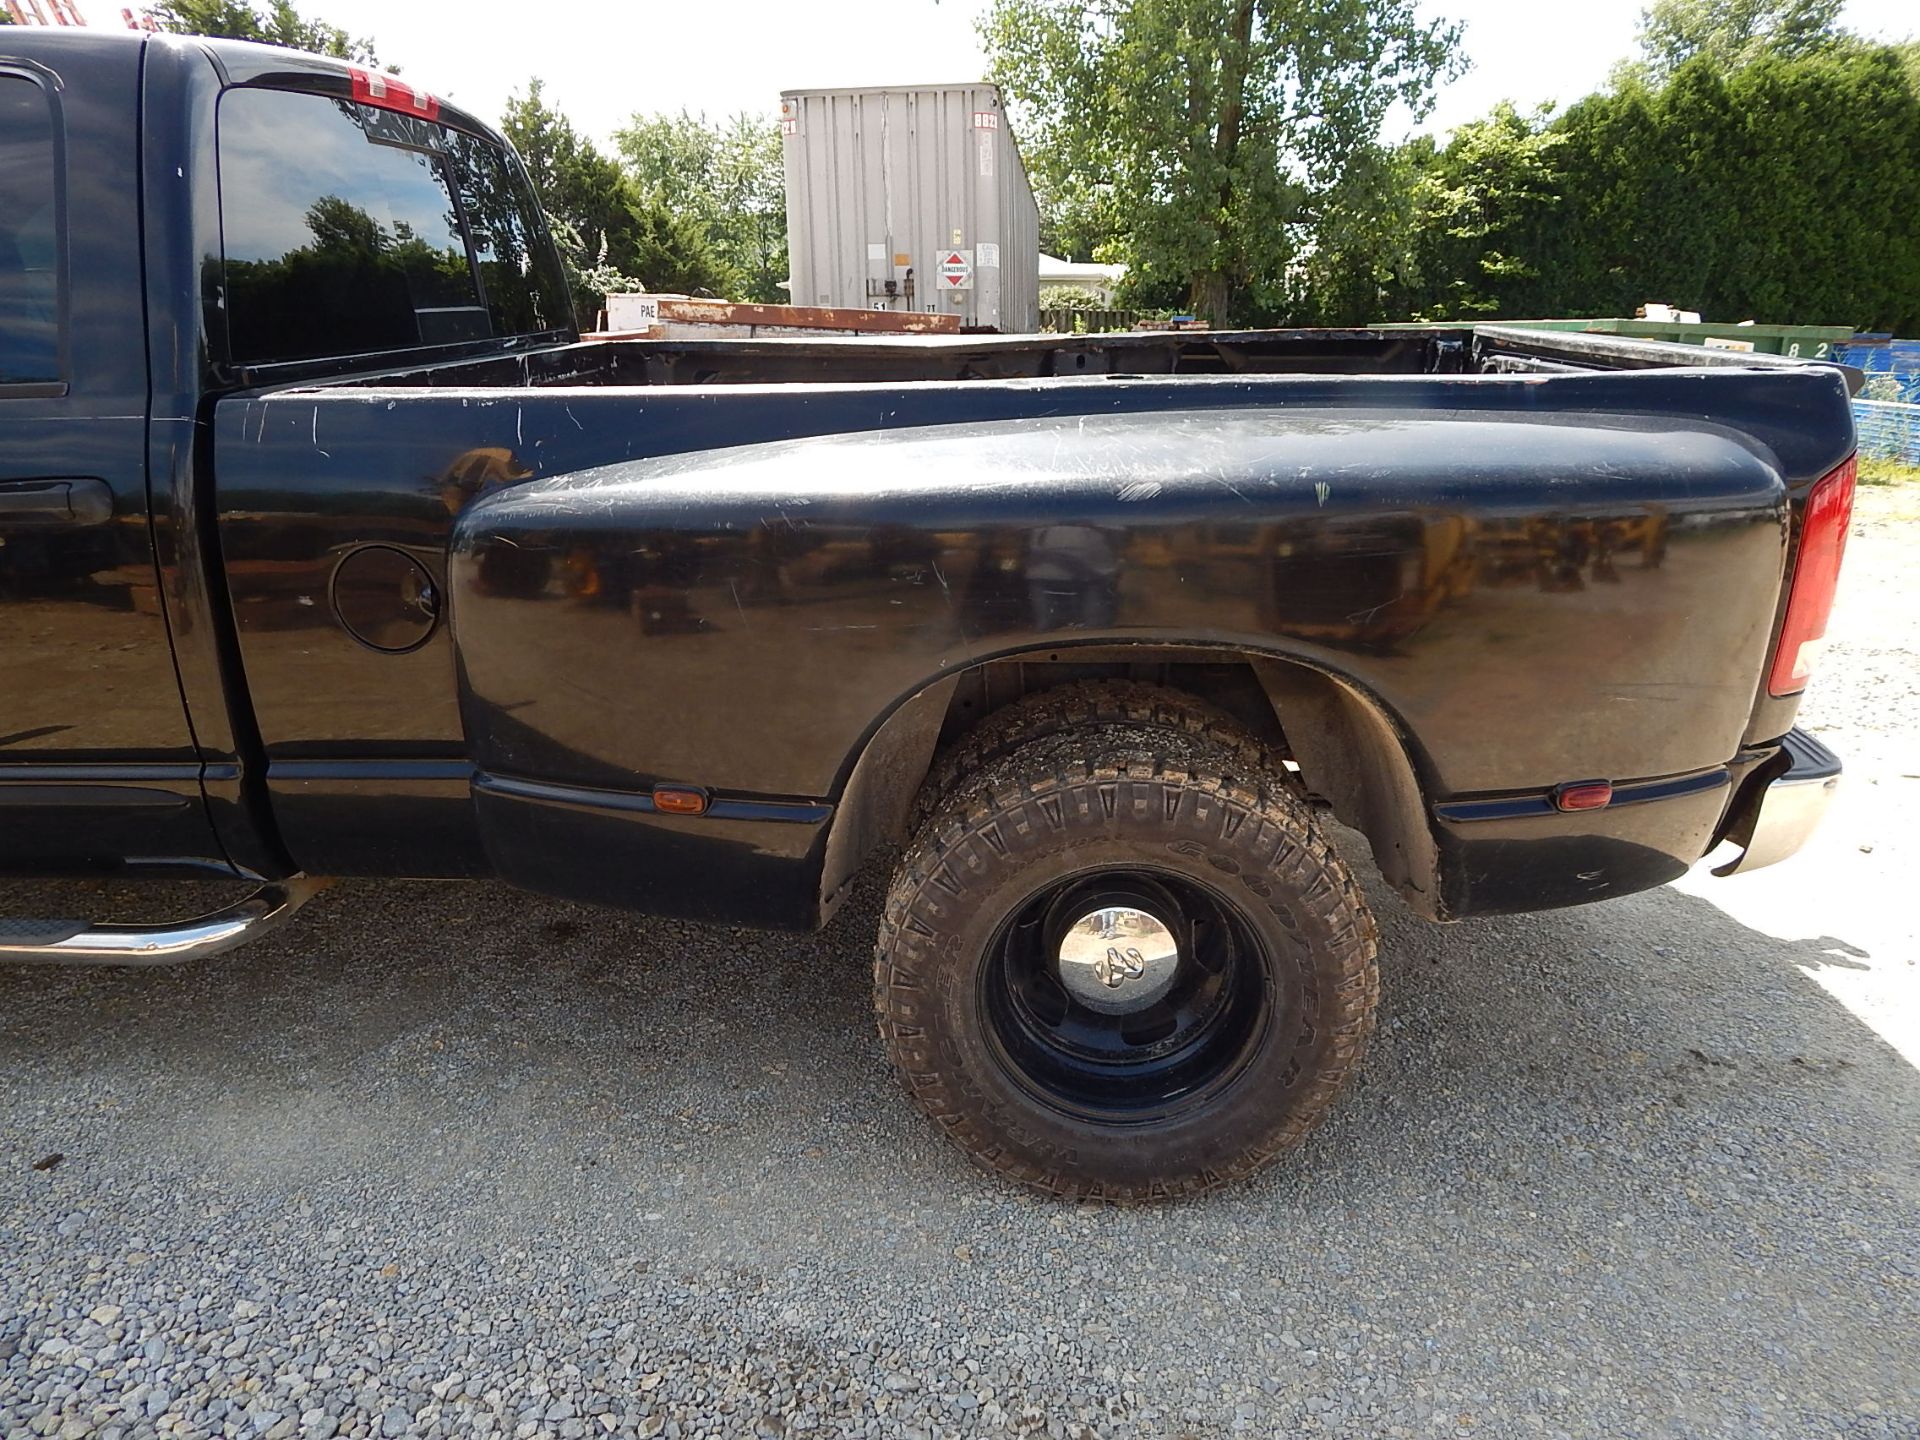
(1082, 707)
(1232, 1006)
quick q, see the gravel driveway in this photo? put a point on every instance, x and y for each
(454, 1160)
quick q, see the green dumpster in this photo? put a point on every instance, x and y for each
(1806, 342)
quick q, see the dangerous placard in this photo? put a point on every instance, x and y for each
(956, 270)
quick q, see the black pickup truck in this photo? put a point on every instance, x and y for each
(329, 547)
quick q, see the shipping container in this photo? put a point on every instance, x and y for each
(910, 198)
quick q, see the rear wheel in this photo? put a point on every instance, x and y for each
(1081, 708)
(1124, 965)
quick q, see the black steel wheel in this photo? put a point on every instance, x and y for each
(1125, 1035)
(1129, 974)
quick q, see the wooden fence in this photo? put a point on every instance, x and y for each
(1087, 322)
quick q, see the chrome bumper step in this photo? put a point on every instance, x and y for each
(1784, 813)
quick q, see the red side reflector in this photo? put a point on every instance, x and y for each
(678, 800)
(1586, 795)
(1816, 574)
(370, 87)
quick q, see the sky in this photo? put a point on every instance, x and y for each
(602, 60)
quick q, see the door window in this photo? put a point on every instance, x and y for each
(29, 240)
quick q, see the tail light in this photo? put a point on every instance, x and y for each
(371, 87)
(1816, 572)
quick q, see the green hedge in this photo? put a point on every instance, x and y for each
(1786, 191)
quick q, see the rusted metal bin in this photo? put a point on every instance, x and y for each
(682, 317)
(910, 199)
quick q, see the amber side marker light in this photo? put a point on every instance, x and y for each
(1583, 795)
(1816, 574)
(679, 800)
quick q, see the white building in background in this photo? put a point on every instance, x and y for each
(1102, 280)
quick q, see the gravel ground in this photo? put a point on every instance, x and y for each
(453, 1160)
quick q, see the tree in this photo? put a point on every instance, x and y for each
(728, 178)
(610, 235)
(1219, 125)
(672, 252)
(1071, 297)
(1077, 218)
(1724, 191)
(338, 224)
(1732, 33)
(278, 24)
(1365, 240)
(582, 192)
(580, 189)
(1480, 203)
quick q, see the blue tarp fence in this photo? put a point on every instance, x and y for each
(1888, 429)
(1892, 366)
(1888, 410)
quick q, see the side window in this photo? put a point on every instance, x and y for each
(29, 242)
(340, 231)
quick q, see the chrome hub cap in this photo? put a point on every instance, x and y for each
(1117, 960)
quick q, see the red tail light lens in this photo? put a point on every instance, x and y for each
(1816, 572)
(370, 87)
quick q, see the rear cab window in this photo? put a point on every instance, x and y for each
(29, 235)
(352, 229)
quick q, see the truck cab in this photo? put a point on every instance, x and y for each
(294, 220)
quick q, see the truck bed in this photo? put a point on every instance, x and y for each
(1372, 350)
(678, 556)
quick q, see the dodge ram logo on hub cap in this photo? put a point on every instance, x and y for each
(1116, 968)
(1118, 959)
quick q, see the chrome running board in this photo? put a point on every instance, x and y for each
(74, 942)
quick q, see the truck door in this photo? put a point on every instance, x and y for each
(97, 762)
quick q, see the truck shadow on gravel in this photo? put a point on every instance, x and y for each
(502, 1054)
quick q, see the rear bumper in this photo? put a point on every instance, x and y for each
(1517, 852)
(1782, 804)
(1503, 856)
